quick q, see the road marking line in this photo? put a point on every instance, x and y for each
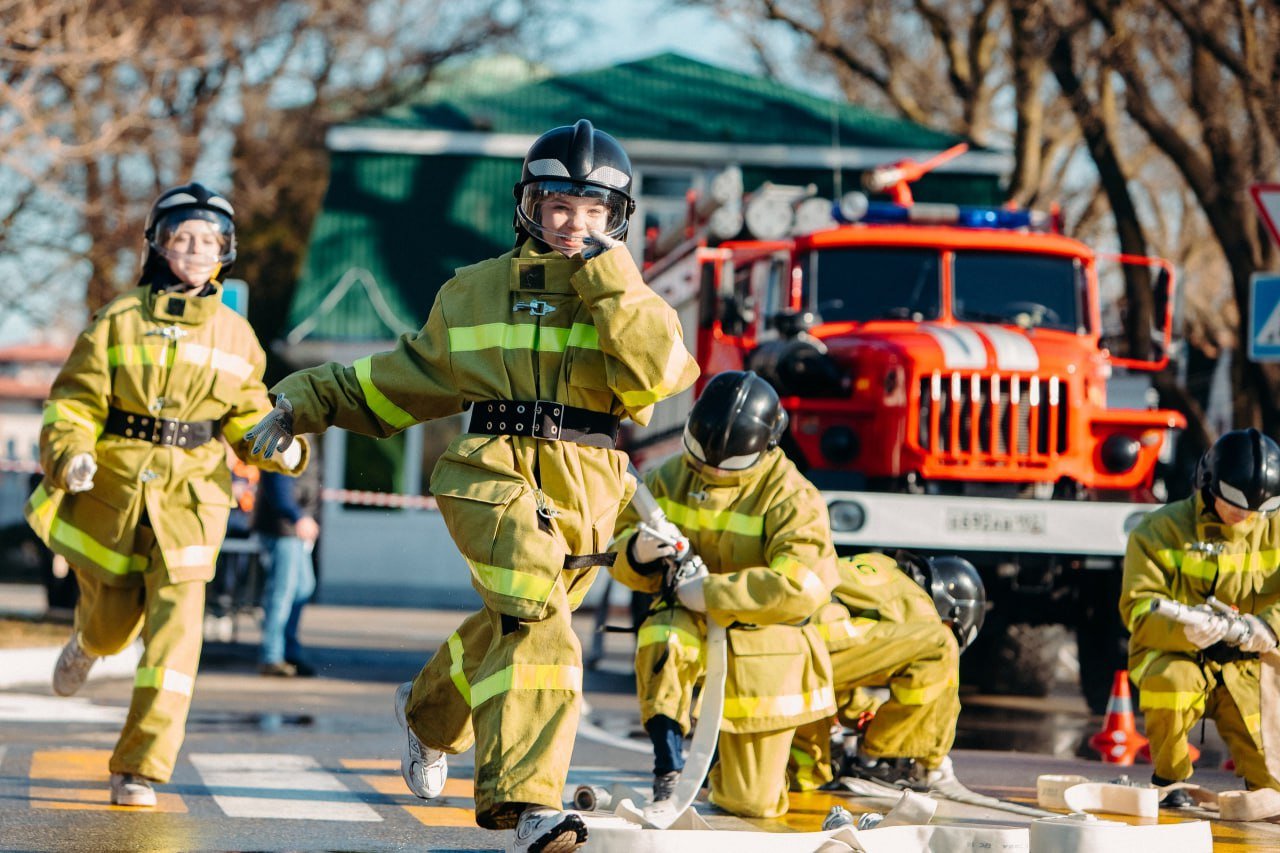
(237, 783)
(84, 765)
(443, 815)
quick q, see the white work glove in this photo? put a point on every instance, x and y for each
(1207, 633)
(598, 244)
(80, 471)
(1261, 638)
(274, 431)
(692, 594)
(647, 548)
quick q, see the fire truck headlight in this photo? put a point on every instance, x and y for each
(1120, 453)
(847, 516)
(839, 445)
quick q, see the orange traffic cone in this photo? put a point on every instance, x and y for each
(1119, 740)
(1144, 754)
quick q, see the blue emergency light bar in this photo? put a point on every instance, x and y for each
(887, 213)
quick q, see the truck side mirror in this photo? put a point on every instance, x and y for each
(791, 324)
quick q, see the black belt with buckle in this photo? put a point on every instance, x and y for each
(165, 431)
(545, 419)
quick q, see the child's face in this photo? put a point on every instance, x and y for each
(193, 250)
(569, 218)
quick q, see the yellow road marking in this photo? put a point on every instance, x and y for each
(386, 780)
(84, 765)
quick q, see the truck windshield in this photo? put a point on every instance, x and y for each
(1018, 288)
(865, 283)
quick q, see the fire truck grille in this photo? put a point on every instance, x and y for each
(997, 419)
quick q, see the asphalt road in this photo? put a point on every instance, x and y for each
(312, 764)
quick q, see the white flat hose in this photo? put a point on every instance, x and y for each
(663, 814)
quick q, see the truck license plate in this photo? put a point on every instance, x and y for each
(996, 521)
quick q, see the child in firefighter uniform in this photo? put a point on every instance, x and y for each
(1223, 541)
(763, 533)
(884, 630)
(549, 344)
(137, 492)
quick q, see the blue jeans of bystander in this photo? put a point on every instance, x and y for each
(290, 582)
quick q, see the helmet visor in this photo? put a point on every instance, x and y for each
(729, 463)
(1238, 499)
(195, 236)
(563, 213)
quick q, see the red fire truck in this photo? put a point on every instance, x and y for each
(947, 382)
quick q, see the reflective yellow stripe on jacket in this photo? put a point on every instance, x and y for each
(73, 411)
(527, 676)
(511, 582)
(743, 707)
(397, 417)
(691, 519)
(918, 695)
(519, 336)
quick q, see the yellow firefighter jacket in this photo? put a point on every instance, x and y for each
(169, 355)
(766, 540)
(871, 588)
(1184, 552)
(523, 326)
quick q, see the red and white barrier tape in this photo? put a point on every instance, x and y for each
(342, 496)
(385, 499)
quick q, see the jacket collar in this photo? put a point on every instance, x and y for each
(189, 309)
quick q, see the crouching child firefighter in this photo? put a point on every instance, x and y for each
(137, 492)
(549, 345)
(762, 531)
(1222, 541)
(899, 627)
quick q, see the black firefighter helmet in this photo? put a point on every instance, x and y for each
(180, 204)
(1243, 468)
(575, 160)
(735, 420)
(956, 589)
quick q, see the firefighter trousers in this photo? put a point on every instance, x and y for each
(669, 662)
(514, 689)
(919, 663)
(749, 778)
(1176, 691)
(169, 616)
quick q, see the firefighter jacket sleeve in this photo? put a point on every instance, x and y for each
(642, 577)
(1154, 563)
(77, 406)
(383, 393)
(625, 311)
(799, 573)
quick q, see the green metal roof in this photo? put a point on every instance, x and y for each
(671, 97)
(395, 224)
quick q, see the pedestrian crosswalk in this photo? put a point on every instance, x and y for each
(273, 786)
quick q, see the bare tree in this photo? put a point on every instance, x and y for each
(105, 102)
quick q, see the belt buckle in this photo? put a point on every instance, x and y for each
(166, 429)
(554, 412)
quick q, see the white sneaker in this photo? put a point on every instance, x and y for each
(130, 790)
(939, 777)
(424, 770)
(72, 668)
(546, 830)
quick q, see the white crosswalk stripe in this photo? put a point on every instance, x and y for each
(240, 784)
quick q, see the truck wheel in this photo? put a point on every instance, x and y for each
(1022, 661)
